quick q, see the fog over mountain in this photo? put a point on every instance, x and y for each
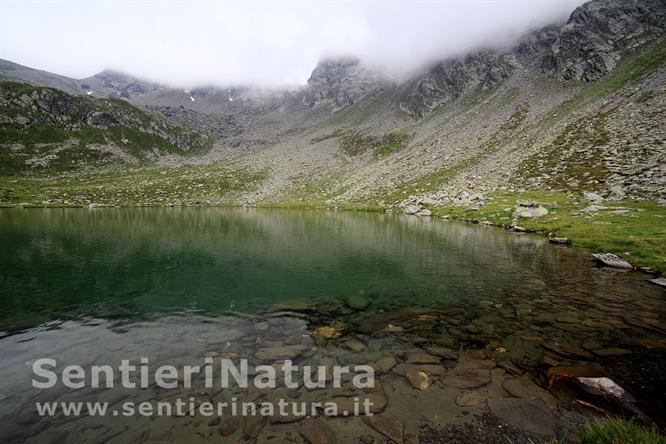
(263, 43)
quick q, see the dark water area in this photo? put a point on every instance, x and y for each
(178, 284)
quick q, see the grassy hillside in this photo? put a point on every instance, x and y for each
(46, 131)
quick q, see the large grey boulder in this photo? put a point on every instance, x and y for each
(529, 209)
(612, 260)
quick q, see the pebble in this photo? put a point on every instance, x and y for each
(418, 380)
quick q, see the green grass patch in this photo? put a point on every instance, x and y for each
(620, 431)
(210, 184)
(634, 227)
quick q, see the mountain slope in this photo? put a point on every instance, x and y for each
(47, 130)
(557, 110)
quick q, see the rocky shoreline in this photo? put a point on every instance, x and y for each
(514, 368)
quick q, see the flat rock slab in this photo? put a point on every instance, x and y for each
(315, 431)
(391, 428)
(421, 358)
(442, 352)
(613, 260)
(525, 388)
(297, 305)
(469, 399)
(661, 282)
(229, 425)
(574, 371)
(404, 368)
(531, 415)
(354, 345)
(463, 377)
(384, 365)
(253, 425)
(611, 351)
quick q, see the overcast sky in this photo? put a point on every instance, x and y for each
(262, 42)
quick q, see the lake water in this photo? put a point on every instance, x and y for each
(177, 284)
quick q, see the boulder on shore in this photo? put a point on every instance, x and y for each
(412, 209)
(529, 209)
(612, 260)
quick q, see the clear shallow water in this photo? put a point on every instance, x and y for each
(175, 285)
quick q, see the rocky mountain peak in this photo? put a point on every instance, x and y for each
(599, 33)
(450, 79)
(590, 44)
(340, 82)
(114, 83)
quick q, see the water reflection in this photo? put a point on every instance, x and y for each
(155, 260)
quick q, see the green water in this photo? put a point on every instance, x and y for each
(154, 260)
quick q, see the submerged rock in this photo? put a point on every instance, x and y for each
(442, 352)
(420, 358)
(525, 388)
(253, 426)
(385, 364)
(391, 428)
(358, 302)
(573, 371)
(469, 399)
(611, 351)
(328, 332)
(354, 345)
(229, 425)
(661, 282)
(315, 431)
(404, 368)
(465, 377)
(279, 353)
(531, 415)
(418, 380)
(297, 305)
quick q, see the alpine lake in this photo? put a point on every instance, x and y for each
(475, 334)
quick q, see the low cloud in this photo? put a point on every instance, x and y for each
(262, 43)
